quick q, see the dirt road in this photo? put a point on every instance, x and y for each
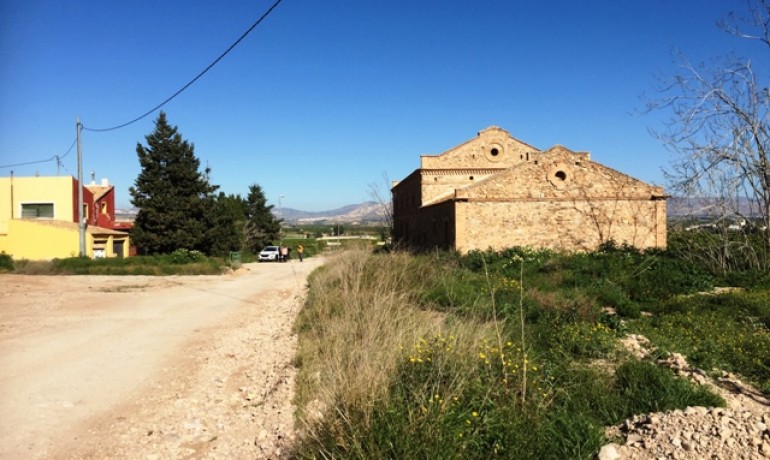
(149, 367)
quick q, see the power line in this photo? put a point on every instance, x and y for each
(253, 26)
(55, 157)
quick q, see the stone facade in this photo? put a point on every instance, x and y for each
(495, 191)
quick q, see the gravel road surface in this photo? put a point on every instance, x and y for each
(149, 367)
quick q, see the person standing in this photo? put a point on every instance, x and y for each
(284, 253)
(300, 250)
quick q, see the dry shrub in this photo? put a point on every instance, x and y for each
(360, 318)
(35, 267)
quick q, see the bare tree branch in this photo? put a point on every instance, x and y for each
(719, 127)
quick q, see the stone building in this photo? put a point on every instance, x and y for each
(496, 191)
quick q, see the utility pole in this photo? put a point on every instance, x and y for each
(81, 214)
(12, 195)
(280, 211)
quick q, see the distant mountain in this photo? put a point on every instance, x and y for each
(708, 207)
(363, 213)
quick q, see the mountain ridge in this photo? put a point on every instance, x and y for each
(364, 213)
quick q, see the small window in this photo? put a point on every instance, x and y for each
(561, 175)
(37, 211)
(471, 178)
(494, 152)
(104, 207)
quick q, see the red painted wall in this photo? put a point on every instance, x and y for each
(106, 219)
(88, 200)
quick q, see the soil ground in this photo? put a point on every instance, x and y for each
(149, 367)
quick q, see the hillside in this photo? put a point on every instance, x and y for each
(369, 212)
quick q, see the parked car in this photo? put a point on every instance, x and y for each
(269, 253)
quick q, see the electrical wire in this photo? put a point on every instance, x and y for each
(190, 83)
(55, 157)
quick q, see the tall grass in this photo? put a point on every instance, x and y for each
(361, 317)
(491, 355)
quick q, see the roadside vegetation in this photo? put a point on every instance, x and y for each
(510, 354)
(179, 262)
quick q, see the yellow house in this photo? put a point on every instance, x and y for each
(39, 220)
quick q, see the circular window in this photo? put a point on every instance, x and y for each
(471, 178)
(559, 175)
(494, 152)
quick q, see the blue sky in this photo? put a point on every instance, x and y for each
(327, 97)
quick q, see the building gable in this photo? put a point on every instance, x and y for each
(559, 173)
(492, 148)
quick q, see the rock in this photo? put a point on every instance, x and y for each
(609, 452)
(632, 439)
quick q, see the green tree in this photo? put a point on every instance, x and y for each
(261, 227)
(227, 216)
(173, 197)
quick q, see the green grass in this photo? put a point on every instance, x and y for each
(730, 332)
(178, 263)
(542, 388)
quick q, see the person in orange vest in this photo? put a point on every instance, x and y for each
(300, 250)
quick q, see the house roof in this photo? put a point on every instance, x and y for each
(99, 190)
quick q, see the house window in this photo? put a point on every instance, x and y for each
(37, 211)
(104, 207)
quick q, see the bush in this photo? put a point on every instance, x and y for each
(168, 264)
(611, 295)
(721, 253)
(185, 256)
(6, 262)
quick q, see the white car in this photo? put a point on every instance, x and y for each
(269, 253)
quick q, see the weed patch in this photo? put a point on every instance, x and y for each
(728, 331)
(489, 355)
